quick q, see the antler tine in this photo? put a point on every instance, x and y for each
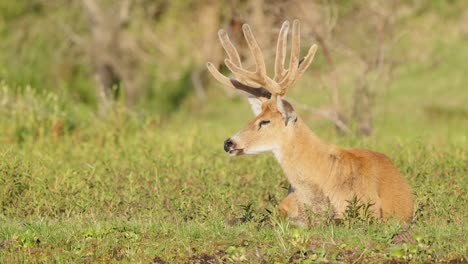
(258, 92)
(255, 50)
(243, 75)
(219, 76)
(229, 48)
(281, 52)
(259, 77)
(247, 81)
(307, 60)
(291, 76)
(233, 62)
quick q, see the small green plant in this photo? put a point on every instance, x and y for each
(419, 251)
(358, 212)
(236, 254)
(248, 212)
(28, 239)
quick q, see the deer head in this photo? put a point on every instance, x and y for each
(275, 118)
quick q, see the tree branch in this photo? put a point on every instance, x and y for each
(124, 14)
(324, 114)
(93, 9)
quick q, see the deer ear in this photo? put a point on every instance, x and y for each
(255, 105)
(286, 110)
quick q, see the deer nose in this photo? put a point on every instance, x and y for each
(228, 144)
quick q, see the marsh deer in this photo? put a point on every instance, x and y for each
(322, 175)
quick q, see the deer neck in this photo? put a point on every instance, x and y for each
(302, 155)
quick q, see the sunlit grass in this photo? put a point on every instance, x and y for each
(139, 186)
(136, 187)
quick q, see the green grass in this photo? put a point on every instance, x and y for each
(139, 187)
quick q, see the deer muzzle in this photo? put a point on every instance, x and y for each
(228, 145)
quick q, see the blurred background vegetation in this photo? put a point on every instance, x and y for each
(151, 55)
(111, 129)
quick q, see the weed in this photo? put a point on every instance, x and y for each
(357, 212)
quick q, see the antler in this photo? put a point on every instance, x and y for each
(250, 82)
(286, 78)
(257, 82)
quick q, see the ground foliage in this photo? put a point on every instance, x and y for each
(141, 186)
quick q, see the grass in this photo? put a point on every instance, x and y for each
(138, 187)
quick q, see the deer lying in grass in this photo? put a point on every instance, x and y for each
(322, 175)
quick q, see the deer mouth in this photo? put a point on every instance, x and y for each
(236, 152)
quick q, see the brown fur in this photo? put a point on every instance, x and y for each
(324, 175)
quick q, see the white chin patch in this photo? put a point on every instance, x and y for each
(259, 150)
(236, 152)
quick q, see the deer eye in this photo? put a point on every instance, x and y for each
(263, 122)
